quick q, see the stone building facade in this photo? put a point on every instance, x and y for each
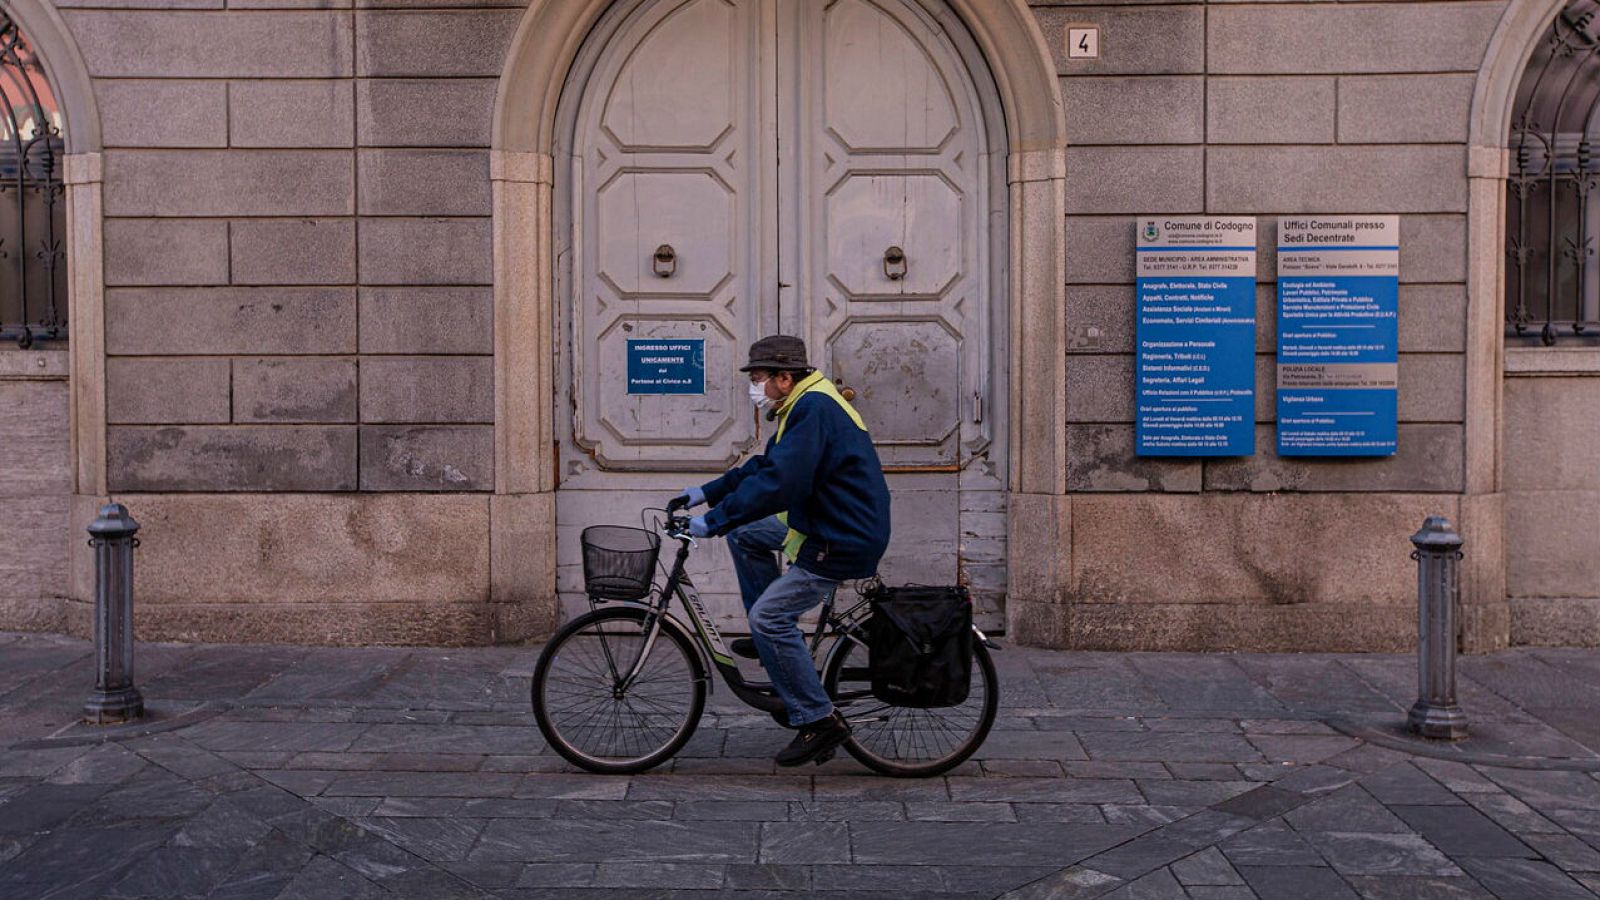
(321, 259)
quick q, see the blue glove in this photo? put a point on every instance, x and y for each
(698, 528)
(695, 496)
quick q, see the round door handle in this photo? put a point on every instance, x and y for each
(664, 261)
(848, 393)
(895, 264)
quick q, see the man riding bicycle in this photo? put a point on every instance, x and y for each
(818, 494)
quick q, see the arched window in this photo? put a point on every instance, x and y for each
(33, 295)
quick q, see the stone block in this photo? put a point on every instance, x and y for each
(33, 546)
(1272, 110)
(1102, 458)
(1300, 628)
(276, 321)
(1551, 543)
(1432, 387)
(427, 389)
(1134, 110)
(1157, 40)
(1433, 249)
(1372, 180)
(320, 389)
(347, 624)
(1099, 250)
(1555, 622)
(1100, 388)
(1430, 459)
(1100, 318)
(35, 431)
(434, 44)
(160, 113)
(140, 4)
(397, 112)
(205, 45)
(1340, 38)
(426, 251)
(33, 614)
(424, 182)
(229, 183)
(427, 320)
(294, 251)
(1405, 109)
(1039, 542)
(1548, 446)
(335, 555)
(1135, 180)
(1250, 549)
(522, 568)
(289, 4)
(165, 252)
(240, 458)
(427, 458)
(166, 391)
(1433, 318)
(291, 114)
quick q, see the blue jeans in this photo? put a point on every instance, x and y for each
(755, 550)
(774, 625)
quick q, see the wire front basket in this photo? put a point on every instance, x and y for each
(619, 562)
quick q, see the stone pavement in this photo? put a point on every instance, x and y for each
(306, 772)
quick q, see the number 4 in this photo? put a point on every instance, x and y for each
(1083, 42)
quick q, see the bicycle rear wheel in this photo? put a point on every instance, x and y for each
(904, 741)
(593, 721)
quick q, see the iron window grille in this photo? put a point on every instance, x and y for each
(33, 296)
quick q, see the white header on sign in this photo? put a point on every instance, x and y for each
(1339, 245)
(1187, 246)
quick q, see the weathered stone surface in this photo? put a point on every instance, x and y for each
(388, 552)
(427, 457)
(1101, 458)
(1401, 109)
(212, 458)
(1099, 250)
(1547, 447)
(1433, 249)
(1270, 110)
(1555, 621)
(35, 432)
(1100, 318)
(1430, 458)
(229, 183)
(1165, 110)
(294, 251)
(141, 4)
(424, 182)
(166, 391)
(1402, 179)
(426, 251)
(1551, 541)
(1134, 180)
(165, 252)
(427, 389)
(291, 114)
(521, 573)
(1432, 387)
(33, 551)
(1249, 549)
(1156, 41)
(204, 45)
(1433, 318)
(397, 112)
(428, 44)
(158, 113)
(427, 320)
(1100, 388)
(294, 390)
(1393, 37)
(139, 321)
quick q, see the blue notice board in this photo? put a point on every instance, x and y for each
(667, 366)
(1196, 337)
(1338, 335)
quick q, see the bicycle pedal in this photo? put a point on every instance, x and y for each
(823, 757)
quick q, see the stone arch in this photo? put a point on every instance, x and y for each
(542, 53)
(64, 66)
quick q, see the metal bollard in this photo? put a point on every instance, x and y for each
(1436, 713)
(115, 699)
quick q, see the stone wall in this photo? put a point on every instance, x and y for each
(35, 492)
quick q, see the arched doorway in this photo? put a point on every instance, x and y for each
(556, 42)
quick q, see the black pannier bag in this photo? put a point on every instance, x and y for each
(919, 645)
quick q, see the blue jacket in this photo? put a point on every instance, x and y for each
(824, 472)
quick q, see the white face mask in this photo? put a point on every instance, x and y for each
(758, 395)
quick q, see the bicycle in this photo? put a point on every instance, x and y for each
(621, 688)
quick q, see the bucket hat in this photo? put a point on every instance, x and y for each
(778, 352)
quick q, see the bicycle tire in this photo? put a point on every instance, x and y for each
(869, 718)
(583, 685)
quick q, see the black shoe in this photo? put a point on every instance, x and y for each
(745, 647)
(816, 741)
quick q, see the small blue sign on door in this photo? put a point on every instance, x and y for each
(667, 366)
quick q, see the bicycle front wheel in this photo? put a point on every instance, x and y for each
(593, 716)
(904, 741)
